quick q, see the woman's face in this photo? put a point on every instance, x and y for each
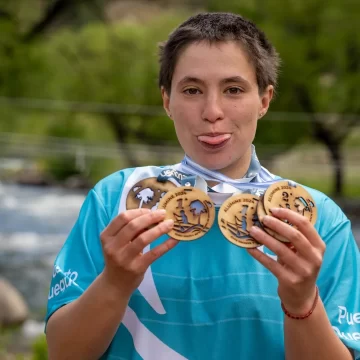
(215, 105)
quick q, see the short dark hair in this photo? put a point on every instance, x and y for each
(217, 27)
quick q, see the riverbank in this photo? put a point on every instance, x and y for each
(32, 176)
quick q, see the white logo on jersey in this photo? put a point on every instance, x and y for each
(68, 280)
(346, 317)
(350, 318)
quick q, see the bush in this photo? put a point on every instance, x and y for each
(40, 349)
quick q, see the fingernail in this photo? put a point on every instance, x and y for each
(160, 212)
(254, 230)
(274, 210)
(266, 219)
(169, 223)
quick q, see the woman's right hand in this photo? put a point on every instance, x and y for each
(123, 242)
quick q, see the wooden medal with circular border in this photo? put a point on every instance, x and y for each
(261, 213)
(236, 217)
(147, 193)
(260, 209)
(191, 209)
(284, 194)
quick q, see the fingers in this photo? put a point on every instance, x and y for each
(303, 225)
(121, 220)
(147, 259)
(272, 265)
(130, 226)
(285, 255)
(138, 225)
(123, 250)
(147, 237)
(307, 260)
(301, 243)
(304, 238)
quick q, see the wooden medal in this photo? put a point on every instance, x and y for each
(191, 209)
(291, 196)
(147, 193)
(236, 217)
(284, 194)
(261, 213)
(260, 209)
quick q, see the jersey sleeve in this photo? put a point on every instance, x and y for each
(80, 260)
(339, 279)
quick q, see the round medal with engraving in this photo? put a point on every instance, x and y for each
(147, 193)
(261, 213)
(292, 196)
(260, 209)
(191, 209)
(285, 194)
(236, 217)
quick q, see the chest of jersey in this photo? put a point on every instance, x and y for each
(209, 299)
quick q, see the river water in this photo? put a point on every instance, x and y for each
(34, 223)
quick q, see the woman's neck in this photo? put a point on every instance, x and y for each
(238, 169)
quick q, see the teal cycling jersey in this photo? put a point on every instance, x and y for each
(205, 299)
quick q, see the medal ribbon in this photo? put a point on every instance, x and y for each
(182, 179)
(256, 176)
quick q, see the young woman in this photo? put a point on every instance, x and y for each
(121, 289)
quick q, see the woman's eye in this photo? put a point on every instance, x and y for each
(234, 91)
(191, 91)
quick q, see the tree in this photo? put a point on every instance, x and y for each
(22, 67)
(321, 63)
(197, 208)
(111, 65)
(108, 63)
(145, 196)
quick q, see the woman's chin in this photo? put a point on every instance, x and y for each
(213, 162)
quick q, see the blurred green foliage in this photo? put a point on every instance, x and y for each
(35, 351)
(39, 349)
(91, 61)
(320, 52)
(97, 64)
(319, 48)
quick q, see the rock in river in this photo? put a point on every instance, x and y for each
(13, 308)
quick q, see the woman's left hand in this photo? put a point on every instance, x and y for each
(296, 270)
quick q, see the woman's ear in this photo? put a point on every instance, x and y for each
(266, 98)
(166, 101)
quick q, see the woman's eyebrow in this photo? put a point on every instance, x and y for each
(192, 79)
(231, 79)
(235, 79)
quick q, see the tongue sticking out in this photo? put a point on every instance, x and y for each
(214, 140)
